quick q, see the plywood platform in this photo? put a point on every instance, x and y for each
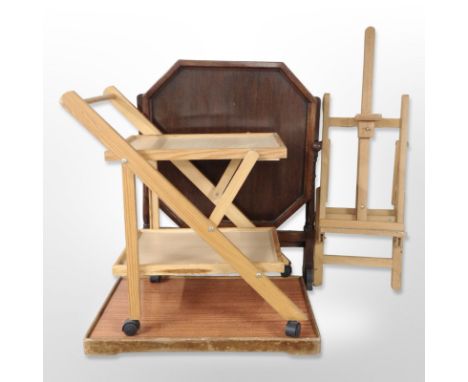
(198, 314)
(176, 251)
(269, 146)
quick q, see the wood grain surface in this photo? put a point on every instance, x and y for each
(203, 308)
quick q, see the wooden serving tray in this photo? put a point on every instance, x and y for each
(202, 314)
(174, 251)
(206, 146)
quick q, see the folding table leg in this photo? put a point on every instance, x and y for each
(318, 246)
(225, 179)
(207, 188)
(233, 187)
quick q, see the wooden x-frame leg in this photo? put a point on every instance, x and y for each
(209, 190)
(226, 197)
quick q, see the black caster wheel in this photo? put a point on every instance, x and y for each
(308, 279)
(287, 271)
(130, 327)
(293, 329)
(155, 279)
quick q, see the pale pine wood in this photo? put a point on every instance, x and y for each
(175, 251)
(181, 206)
(131, 239)
(362, 179)
(145, 127)
(383, 215)
(366, 114)
(395, 174)
(130, 112)
(234, 186)
(400, 194)
(362, 231)
(225, 179)
(206, 146)
(361, 220)
(154, 206)
(368, 71)
(397, 254)
(368, 117)
(358, 260)
(99, 98)
(352, 122)
(326, 223)
(207, 188)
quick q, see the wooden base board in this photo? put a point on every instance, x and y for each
(202, 314)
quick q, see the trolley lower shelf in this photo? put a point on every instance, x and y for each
(175, 251)
(205, 313)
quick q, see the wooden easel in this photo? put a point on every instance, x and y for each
(138, 155)
(362, 220)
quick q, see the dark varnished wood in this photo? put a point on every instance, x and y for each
(215, 96)
(202, 313)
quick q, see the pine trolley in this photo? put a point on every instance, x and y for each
(203, 248)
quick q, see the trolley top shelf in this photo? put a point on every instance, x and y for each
(269, 146)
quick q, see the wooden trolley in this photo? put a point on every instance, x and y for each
(203, 248)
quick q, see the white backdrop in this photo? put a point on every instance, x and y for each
(369, 332)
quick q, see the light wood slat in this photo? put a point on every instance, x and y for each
(130, 112)
(181, 206)
(234, 186)
(225, 179)
(131, 239)
(395, 173)
(370, 218)
(362, 179)
(99, 98)
(154, 206)
(358, 260)
(368, 71)
(362, 231)
(328, 223)
(397, 254)
(400, 195)
(206, 187)
(351, 122)
(352, 211)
